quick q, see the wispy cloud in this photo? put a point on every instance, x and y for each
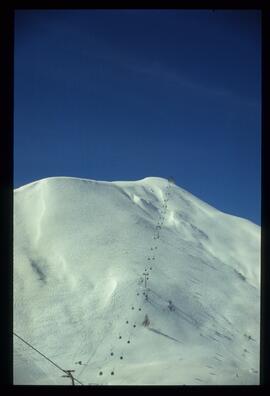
(157, 70)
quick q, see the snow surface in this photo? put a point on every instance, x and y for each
(80, 250)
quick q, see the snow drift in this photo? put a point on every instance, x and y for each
(81, 249)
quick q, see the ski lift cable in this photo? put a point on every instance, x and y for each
(55, 364)
(129, 284)
(131, 331)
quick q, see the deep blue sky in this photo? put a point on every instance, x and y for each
(126, 94)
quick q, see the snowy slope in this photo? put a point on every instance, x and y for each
(80, 250)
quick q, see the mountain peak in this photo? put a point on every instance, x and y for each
(92, 259)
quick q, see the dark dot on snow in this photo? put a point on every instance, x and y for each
(127, 321)
(128, 342)
(132, 308)
(121, 357)
(111, 353)
(112, 373)
(100, 373)
(120, 337)
(138, 294)
(134, 325)
(140, 309)
(150, 268)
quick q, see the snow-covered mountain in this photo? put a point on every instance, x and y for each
(81, 249)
